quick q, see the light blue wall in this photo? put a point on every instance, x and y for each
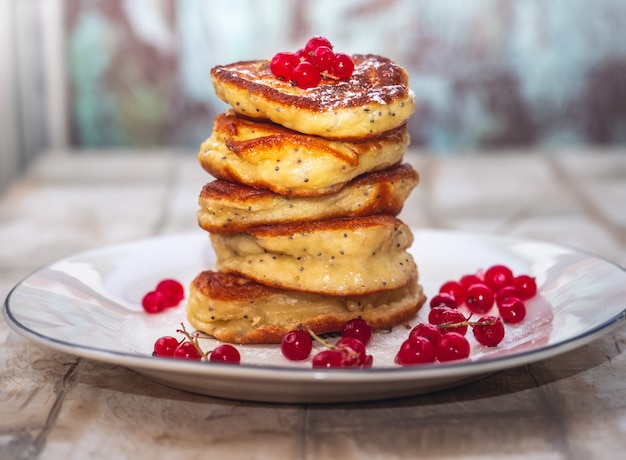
(487, 73)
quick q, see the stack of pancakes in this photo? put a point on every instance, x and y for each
(302, 212)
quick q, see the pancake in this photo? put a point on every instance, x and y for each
(227, 207)
(267, 155)
(238, 310)
(374, 100)
(342, 256)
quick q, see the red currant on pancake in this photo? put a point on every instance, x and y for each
(489, 330)
(322, 58)
(316, 42)
(306, 75)
(296, 345)
(225, 353)
(343, 66)
(282, 64)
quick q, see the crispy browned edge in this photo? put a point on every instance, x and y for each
(231, 125)
(386, 202)
(338, 223)
(227, 287)
(384, 73)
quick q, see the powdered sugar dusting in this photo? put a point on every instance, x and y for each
(375, 81)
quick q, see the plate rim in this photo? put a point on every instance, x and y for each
(298, 374)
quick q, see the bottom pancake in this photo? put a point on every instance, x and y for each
(238, 310)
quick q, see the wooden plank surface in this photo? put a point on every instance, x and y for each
(55, 405)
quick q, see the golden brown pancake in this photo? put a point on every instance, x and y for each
(267, 155)
(374, 100)
(342, 256)
(238, 310)
(228, 207)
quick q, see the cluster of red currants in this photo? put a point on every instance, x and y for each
(348, 352)
(443, 337)
(189, 348)
(479, 292)
(306, 67)
(168, 293)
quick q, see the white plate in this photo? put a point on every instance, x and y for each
(88, 305)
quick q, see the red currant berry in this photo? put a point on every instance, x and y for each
(359, 329)
(429, 331)
(480, 298)
(498, 276)
(506, 293)
(434, 316)
(322, 58)
(343, 66)
(489, 331)
(526, 285)
(512, 310)
(225, 353)
(301, 54)
(455, 289)
(282, 64)
(316, 42)
(165, 346)
(467, 280)
(187, 350)
(353, 351)
(419, 350)
(452, 346)
(456, 320)
(154, 302)
(306, 75)
(328, 359)
(296, 345)
(443, 299)
(172, 290)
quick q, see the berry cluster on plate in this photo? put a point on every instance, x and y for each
(443, 338)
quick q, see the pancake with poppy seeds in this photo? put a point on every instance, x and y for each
(239, 310)
(375, 99)
(267, 155)
(342, 256)
(227, 207)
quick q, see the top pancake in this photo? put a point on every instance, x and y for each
(374, 100)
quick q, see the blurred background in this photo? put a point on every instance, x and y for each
(488, 74)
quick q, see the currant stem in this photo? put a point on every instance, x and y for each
(193, 339)
(318, 339)
(466, 323)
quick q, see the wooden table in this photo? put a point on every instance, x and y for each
(54, 405)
